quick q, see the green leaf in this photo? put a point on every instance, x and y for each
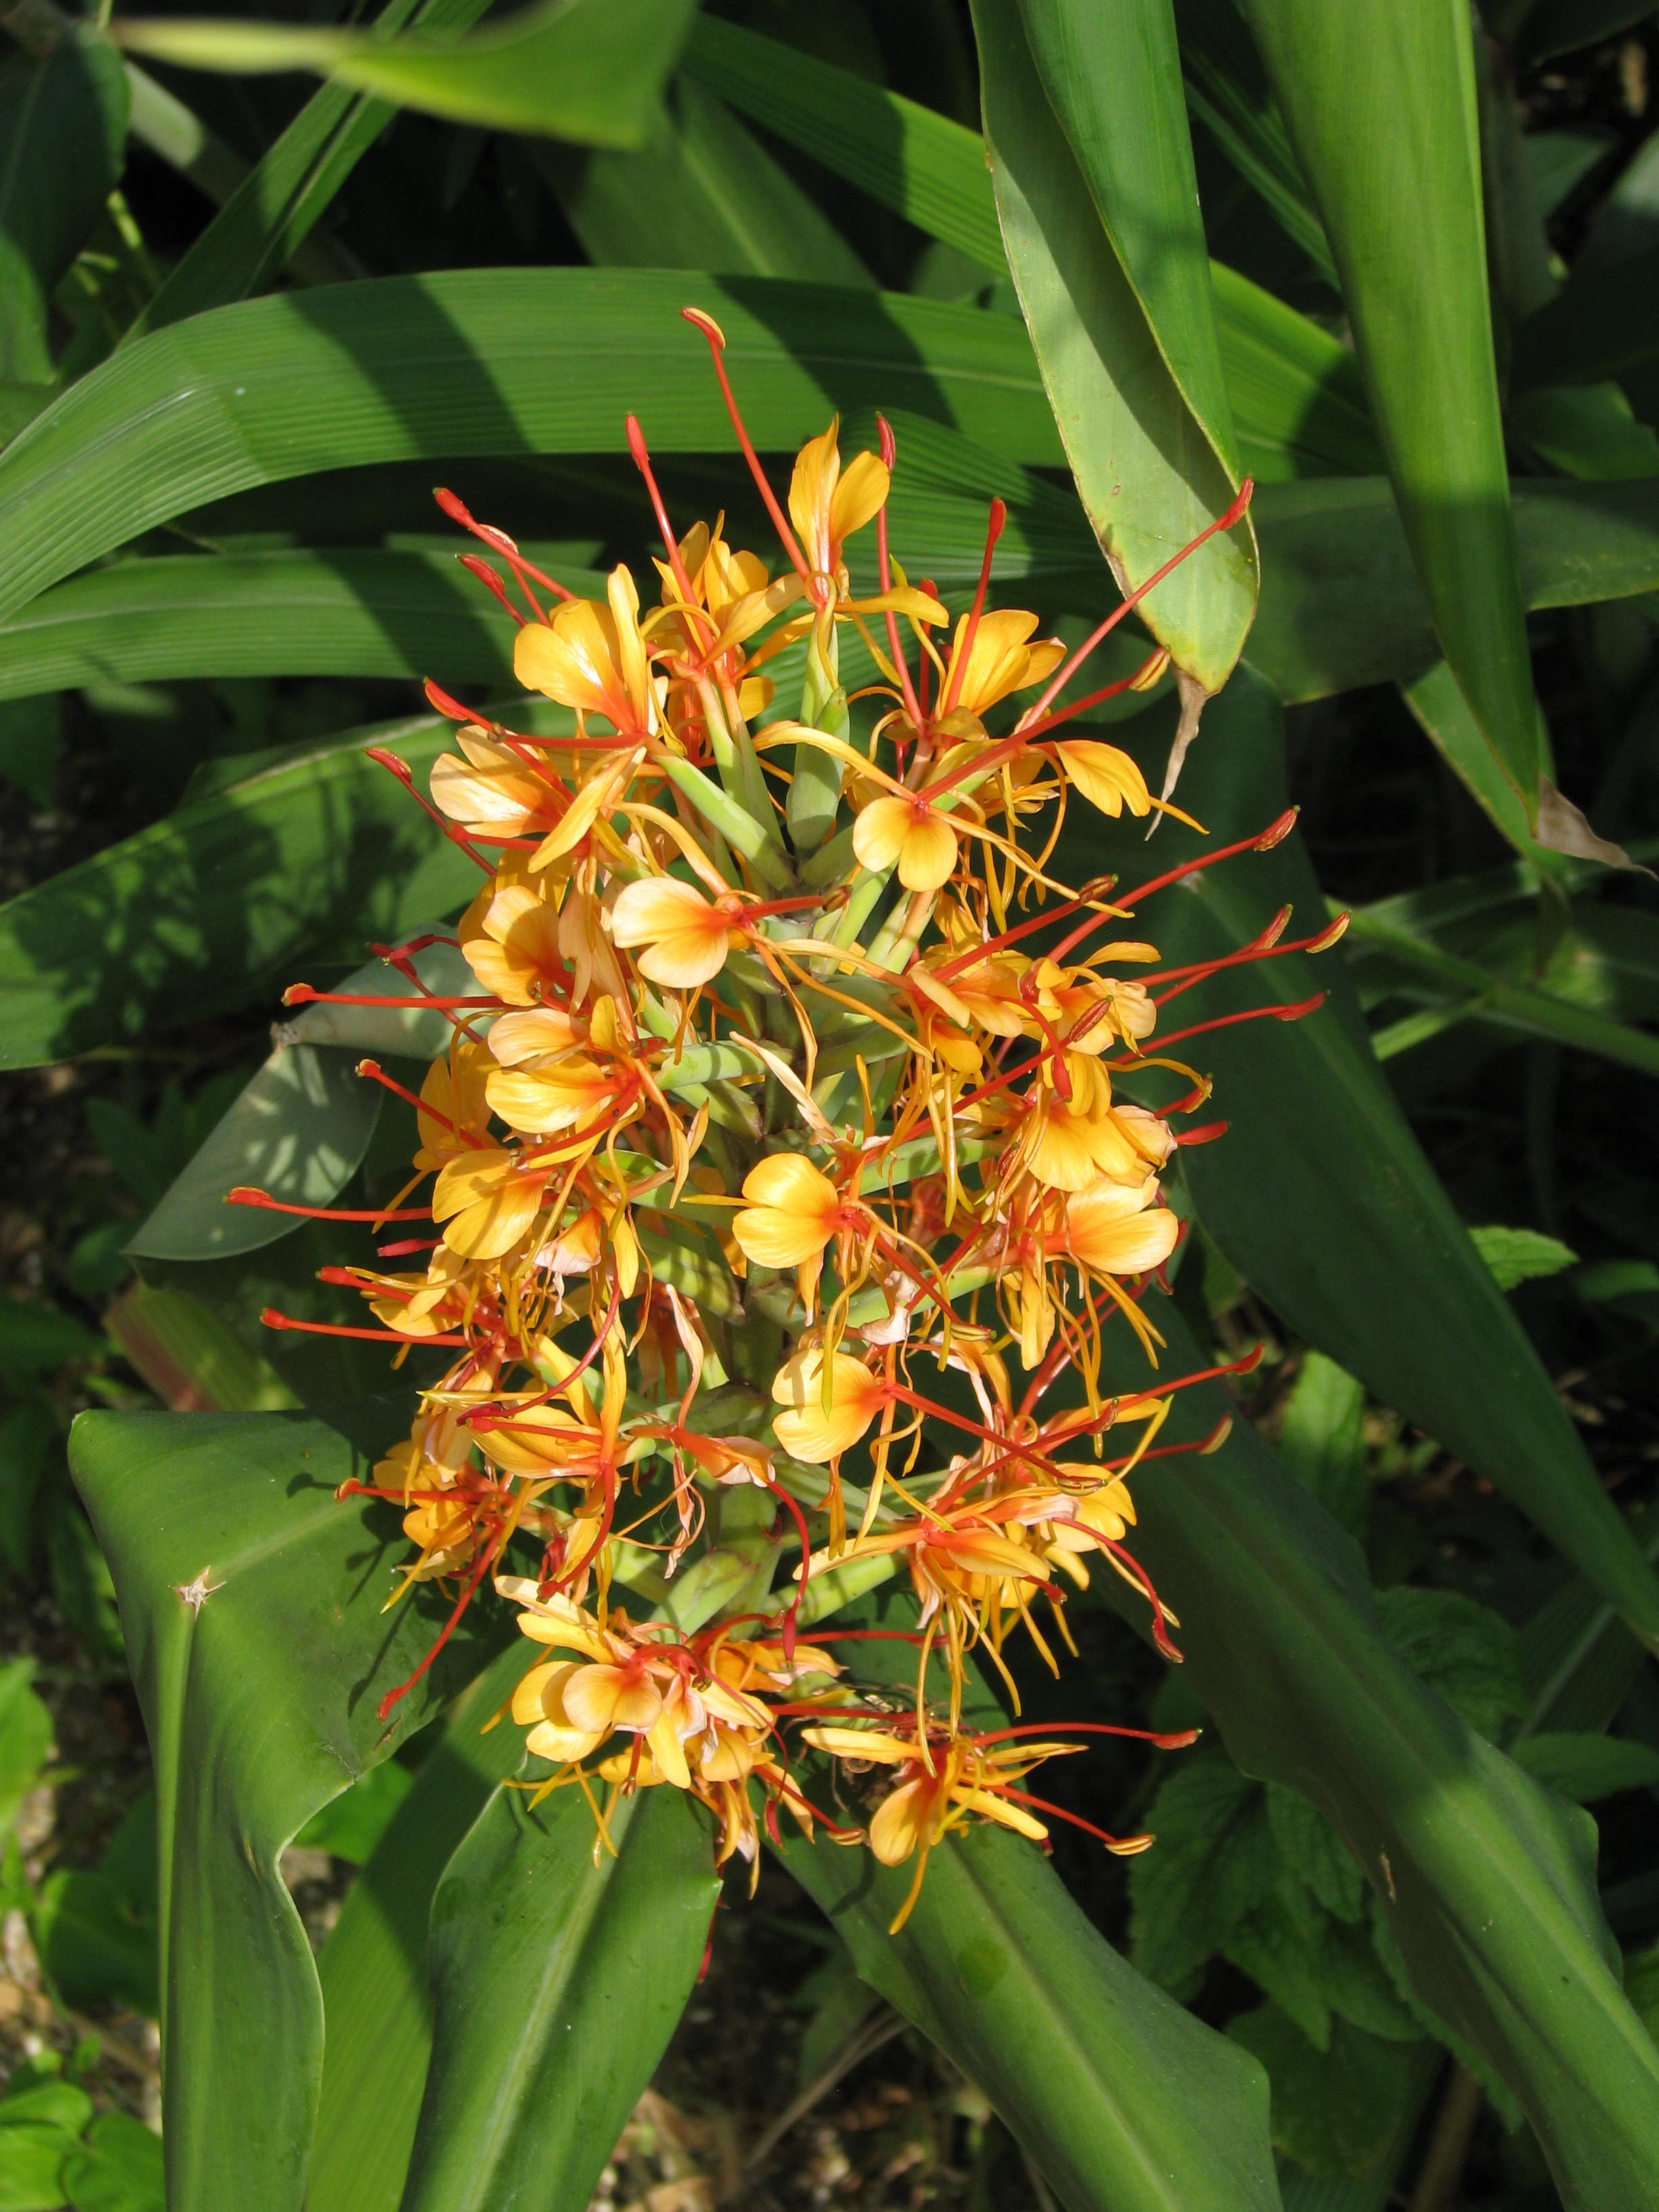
(35, 1337)
(32, 2154)
(1327, 1204)
(1341, 605)
(60, 2103)
(1577, 1660)
(1121, 2099)
(299, 1131)
(1335, 2111)
(482, 361)
(377, 1994)
(118, 2170)
(343, 613)
(1585, 1768)
(272, 211)
(260, 1702)
(921, 164)
(1563, 27)
(1486, 1882)
(1227, 92)
(25, 1738)
(1602, 324)
(404, 1032)
(318, 855)
(558, 1982)
(701, 193)
(1214, 1863)
(1321, 1439)
(1380, 111)
(29, 1441)
(1465, 1652)
(63, 123)
(568, 68)
(97, 1931)
(190, 1356)
(1297, 401)
(1483, 995)
(1521, 1255)
(354, 1824)
(1130, 367)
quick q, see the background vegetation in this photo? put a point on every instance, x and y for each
(245, 324)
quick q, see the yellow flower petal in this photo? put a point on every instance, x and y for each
(921, 841)
(1106, 776)
(687, 936)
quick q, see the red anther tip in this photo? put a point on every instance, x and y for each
(1338, 930)
(245, 1194)
(999, 520)
(368, 1067)
(272, 1319)
(401, 770)
(636, 440)
(299, 994)
(438, 697)
(1177, 1742)
(1207, 1135)
(1277, 832)
(454, 507)
(710, 329)
(886, 442)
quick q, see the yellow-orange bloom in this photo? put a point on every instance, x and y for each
(828, 503)
(793, 1210)
(809, 1429)
(685, 935)
(910, 833)
(1117, 1229)
(593, 658)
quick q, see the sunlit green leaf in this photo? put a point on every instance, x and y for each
(1152, 472)
(377, 1991)
(533, 2076)
(1380, 108)
(1321, 1197)
(482, 361)
(260, 1686)
(273, 211)
(299, 1131)
(321, 855)
(62, 123)
(571, 69)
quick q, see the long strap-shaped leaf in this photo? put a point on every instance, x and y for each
(1298, 402)
(324, 613)
(1320, 1195)
(482, 361)
(1488, 1882)
(1108, 256)
(376, 1978)
(273, 211)
(252, 1602)
(322, 853)
(1379, 100)
(1125, 2101)
(560, 1971)
(587, 70)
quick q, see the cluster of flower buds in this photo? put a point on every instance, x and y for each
(778, 1170)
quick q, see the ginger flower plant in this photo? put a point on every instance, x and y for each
(778, 1182)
